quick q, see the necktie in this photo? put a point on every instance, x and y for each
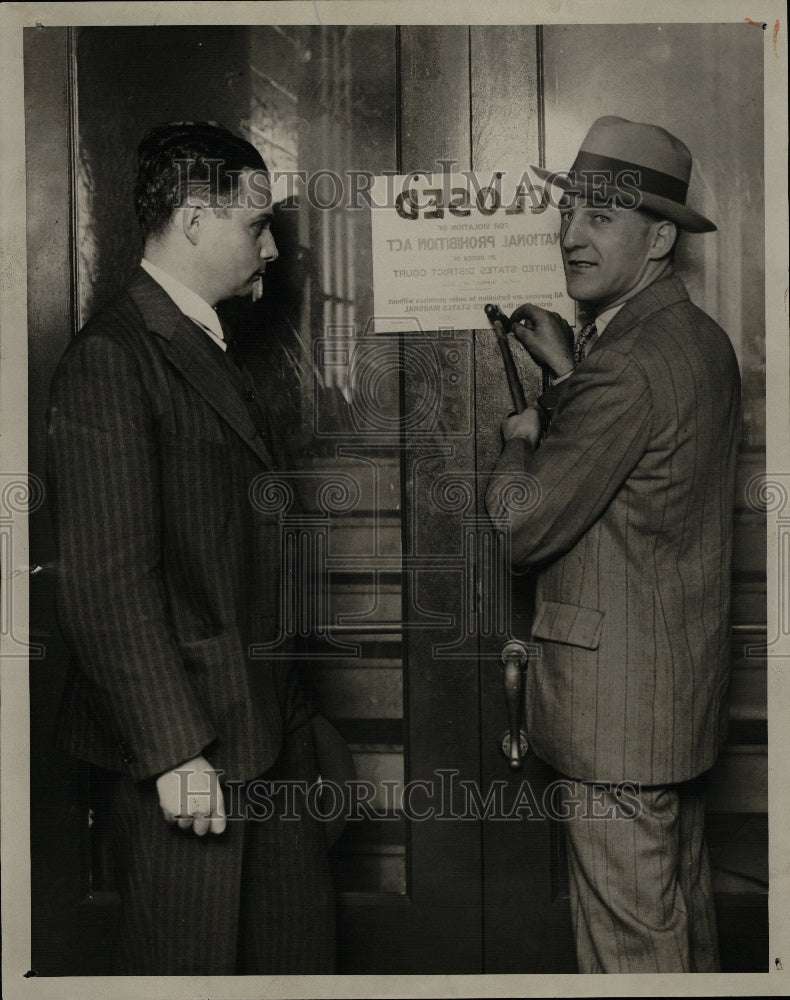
(586, 334)
(227, 336)
(245, 384)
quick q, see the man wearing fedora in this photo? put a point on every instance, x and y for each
(169, 576)
(630, 456)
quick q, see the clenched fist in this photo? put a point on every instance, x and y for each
(526, 425)
(191, 795)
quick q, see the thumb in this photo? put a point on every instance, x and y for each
(218, 821)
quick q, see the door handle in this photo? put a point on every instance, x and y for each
(514, 658)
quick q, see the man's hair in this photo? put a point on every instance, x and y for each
(182, 158)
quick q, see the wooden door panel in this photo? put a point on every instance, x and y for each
(435, 925)
(527, 921)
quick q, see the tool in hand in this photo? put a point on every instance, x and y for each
(495, 315)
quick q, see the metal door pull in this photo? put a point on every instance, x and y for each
(514, 658)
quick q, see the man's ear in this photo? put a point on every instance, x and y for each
(664, 235)
(191, 222)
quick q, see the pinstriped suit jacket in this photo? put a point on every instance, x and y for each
(167, 572)
(632, 534)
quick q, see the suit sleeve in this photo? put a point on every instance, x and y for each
(103, 465)
(551, 496)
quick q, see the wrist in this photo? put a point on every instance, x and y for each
(563, 368)
(191, 763)
(522, 439)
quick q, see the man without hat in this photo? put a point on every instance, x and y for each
(631, 536)
(169, 577)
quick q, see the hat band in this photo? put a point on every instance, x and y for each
(643, 178)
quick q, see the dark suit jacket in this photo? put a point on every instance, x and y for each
(631, 527)
(167, 570)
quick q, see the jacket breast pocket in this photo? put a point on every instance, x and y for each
(568, 623)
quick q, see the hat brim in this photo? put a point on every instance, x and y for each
(684, 217)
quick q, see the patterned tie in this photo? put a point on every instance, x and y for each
(586, 334)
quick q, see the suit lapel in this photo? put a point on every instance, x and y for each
(650, 300)
(188, 349)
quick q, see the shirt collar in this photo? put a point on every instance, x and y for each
(602, 320)
(189, 302)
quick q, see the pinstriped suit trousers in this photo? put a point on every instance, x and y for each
(257, 899)
(640, 888)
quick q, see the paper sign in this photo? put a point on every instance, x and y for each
(446, 244)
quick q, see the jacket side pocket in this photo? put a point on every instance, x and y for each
(568, 623)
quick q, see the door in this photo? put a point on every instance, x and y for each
(452, 861)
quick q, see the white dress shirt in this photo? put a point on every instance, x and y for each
(605, 318)
(189, 302)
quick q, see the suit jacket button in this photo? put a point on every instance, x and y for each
(250, 395)
(129, 759)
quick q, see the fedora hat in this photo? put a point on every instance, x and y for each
(644, 165)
